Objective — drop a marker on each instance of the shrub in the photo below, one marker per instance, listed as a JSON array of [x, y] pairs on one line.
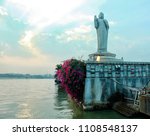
[[70, 76]]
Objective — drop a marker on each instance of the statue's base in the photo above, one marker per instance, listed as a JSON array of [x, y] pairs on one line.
[[103, 57]]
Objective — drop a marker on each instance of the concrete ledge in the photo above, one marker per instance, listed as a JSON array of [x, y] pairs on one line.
[[97, 106]]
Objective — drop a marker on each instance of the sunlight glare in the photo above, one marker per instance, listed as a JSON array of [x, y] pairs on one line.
[[46, 12]]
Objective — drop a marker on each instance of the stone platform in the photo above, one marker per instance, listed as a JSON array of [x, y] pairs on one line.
[[105, 78], [145, 104], [124, 109]]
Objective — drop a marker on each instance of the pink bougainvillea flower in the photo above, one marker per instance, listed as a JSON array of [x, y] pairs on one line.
[[70, 76]]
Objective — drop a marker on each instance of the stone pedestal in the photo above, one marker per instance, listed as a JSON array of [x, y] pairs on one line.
[[103, 57]]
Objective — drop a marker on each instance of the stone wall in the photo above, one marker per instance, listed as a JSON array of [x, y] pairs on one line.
[[104, 79]]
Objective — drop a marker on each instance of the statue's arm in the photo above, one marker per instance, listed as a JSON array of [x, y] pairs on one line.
[[96, 24], [106, 24]]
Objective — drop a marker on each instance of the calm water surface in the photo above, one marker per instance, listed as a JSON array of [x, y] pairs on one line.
[[40, 99]]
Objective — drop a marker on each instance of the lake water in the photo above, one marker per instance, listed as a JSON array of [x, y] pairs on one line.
[[40, 99]]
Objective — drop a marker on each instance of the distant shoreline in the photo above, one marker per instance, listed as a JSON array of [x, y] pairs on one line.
[[25, 76]]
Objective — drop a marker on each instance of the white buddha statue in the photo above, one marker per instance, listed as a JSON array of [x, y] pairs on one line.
[[102, 27]]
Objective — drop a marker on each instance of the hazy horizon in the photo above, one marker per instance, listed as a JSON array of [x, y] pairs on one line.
[[27, 73]]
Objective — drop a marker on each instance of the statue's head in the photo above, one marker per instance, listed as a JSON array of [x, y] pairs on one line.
[[101, 15]]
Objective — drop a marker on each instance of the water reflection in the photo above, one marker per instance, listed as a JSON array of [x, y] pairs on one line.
[[79, 113], [41, 99], [62, 107], [61, 98], [24, 111], [66, 106]]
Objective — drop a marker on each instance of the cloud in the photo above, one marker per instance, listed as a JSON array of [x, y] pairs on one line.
[[4, 47], [76, 17], [112, 23], [17, 19], [27, 42], [117, 37], [45, 34], [39, 15], [1, 53], [43, 13], [81, 29], [77, 34], [3, 11]]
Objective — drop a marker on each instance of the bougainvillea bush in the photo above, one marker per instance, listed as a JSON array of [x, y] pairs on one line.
[[70, 76]]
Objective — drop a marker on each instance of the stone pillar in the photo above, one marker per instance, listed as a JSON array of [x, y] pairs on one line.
[[97, 90], [88, 86], [88, 91], [109, 89], [138, 82]]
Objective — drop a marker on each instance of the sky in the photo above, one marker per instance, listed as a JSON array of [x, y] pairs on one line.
[[36, 35]]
